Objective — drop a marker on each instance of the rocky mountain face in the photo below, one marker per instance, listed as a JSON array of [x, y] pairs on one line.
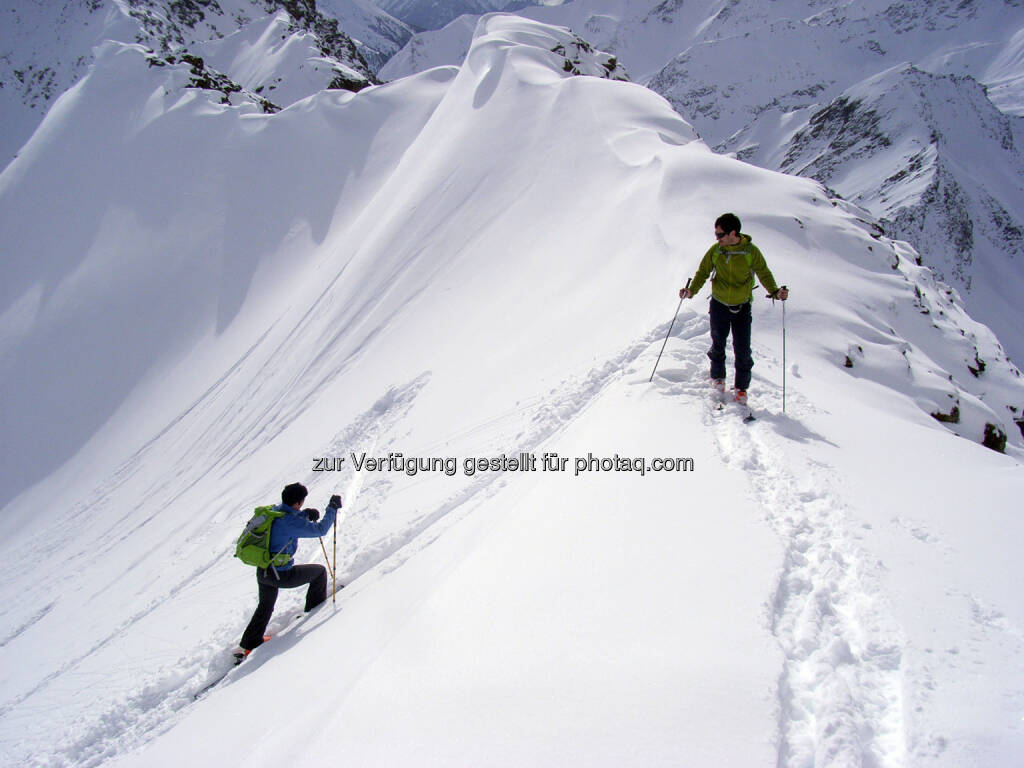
[[936, 162], [886, 104], [377, 34], [273, 52]]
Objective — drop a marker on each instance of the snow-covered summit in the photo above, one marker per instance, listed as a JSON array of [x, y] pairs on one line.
[[202, 299]]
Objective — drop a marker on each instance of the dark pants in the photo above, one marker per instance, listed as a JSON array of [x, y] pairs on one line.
[[723, 320], [269, 583]]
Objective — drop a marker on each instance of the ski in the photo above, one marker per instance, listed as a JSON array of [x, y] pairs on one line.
[[217, 680], [237, 660], [745, 412], [285, 630], [719, 400]]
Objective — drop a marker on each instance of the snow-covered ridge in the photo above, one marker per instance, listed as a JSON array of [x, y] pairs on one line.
[[293, 47], [202, 298], [450, 45], [751, 75]]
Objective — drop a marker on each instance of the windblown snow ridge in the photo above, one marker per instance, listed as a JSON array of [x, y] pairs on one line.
[[202, 299]]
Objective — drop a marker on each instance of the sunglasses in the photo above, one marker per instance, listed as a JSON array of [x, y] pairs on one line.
[[719, 235]]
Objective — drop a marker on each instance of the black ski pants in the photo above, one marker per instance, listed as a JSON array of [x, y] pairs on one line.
[[270, 581], [737, 320]]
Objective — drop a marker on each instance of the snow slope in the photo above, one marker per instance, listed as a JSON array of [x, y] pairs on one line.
[[377, 34], [44, 49], [757, 78], [292, 48], [833, 585], [912, 74]]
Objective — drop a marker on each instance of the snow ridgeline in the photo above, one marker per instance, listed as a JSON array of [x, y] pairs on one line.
[[911, 110], [277, 51], [437, 266]]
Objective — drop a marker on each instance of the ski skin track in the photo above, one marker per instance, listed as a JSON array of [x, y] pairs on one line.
[[813, 725], [179, 691], [834, 633], [840, 692]]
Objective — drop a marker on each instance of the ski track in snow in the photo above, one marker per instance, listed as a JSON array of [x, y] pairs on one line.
[[840, 690], [166, 694]]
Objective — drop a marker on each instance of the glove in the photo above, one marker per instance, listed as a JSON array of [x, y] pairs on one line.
[[335, 501], [311, 514]]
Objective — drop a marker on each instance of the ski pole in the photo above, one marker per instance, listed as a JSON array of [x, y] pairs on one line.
[[326, 559], [784, 356], [670, 325], [334, 568], [772, 297]]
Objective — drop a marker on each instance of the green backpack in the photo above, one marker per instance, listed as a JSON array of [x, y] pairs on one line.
[[253, 547]]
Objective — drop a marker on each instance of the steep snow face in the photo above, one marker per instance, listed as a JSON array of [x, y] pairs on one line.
[[290, 47], [445, 46], [377, 34], [1004, 76], [44, 49], [203, 299], [271, 59]]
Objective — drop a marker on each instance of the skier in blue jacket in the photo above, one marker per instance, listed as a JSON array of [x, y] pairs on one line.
[[297, 523]]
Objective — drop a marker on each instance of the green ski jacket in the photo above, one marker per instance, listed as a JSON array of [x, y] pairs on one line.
[[732, 270]]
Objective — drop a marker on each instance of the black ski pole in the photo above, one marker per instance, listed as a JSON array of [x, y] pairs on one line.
[[783, 356], [670, 325]]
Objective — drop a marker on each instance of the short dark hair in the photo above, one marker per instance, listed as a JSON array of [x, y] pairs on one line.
[[293, 494], [729, 222]]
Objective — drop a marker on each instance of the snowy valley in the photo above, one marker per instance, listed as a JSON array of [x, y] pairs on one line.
[[205, 299]]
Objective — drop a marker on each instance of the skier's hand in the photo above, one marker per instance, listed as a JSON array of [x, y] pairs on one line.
[[335, 501], [311, 514], [782, 294], [684, 293]]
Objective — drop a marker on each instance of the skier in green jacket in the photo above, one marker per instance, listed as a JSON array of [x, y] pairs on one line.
[[732, 263]]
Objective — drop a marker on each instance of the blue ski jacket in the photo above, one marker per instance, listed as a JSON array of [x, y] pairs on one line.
[[286, 531]]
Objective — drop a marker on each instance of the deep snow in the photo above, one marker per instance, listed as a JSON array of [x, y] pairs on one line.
[[202, 299]]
